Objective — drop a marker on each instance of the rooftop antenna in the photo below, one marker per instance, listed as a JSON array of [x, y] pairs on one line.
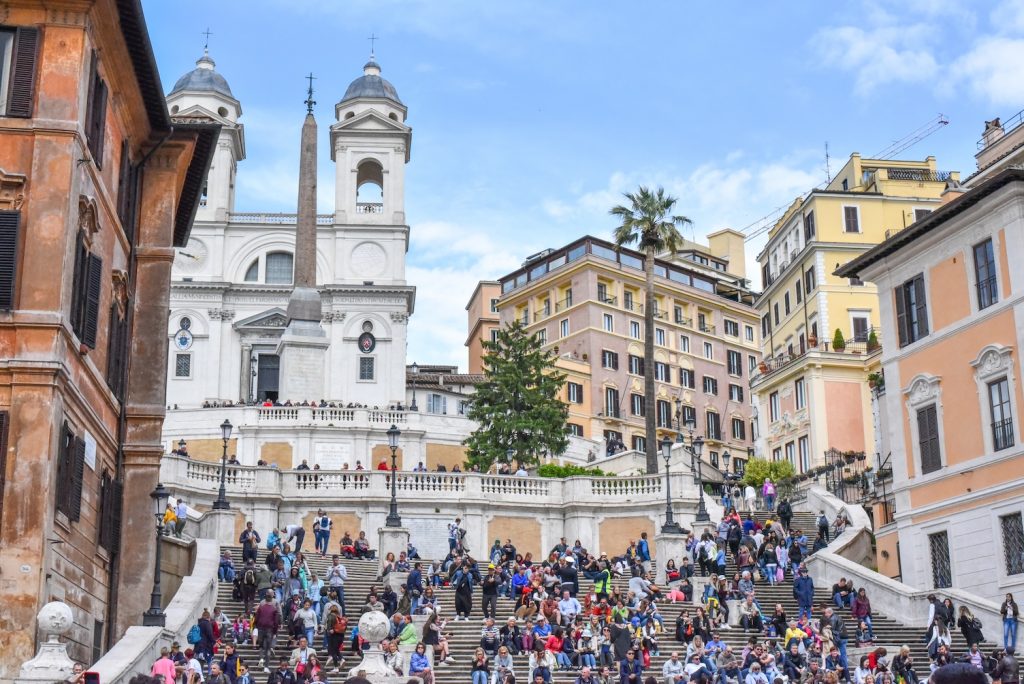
[[206, 44], [912, 138], [828, 165], [310, 102], [373, 39]]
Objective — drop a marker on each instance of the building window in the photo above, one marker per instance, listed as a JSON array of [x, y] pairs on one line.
[[183, 365], [542, 336], [279, 268], [713, 429], [736, 393], [85, 295], [709, 351], [684, 343], [463, 407], [10, 224], [678, 314], [766, 325], [775, 310], [568, 297], [928, 439], [563, 327], [662, 372], [985, 274], [739, 429], [799, 291], [732, 328], [609, 360], [437, 403], [735, 362], [659, 337], [791, 453], [546, 307], [911, 310], [574, 391], [777, 454], [602, 292], [634, 330], [809, 281], [805, 454], [785, 301], [366, 368], [751, 363], [18, 49], [664, 413], [1002, 414], [96, 113], [636, 365], [851, 219], [687, 378], [70, 475], [494, 336], [808, 226], [689, 417], [942, 569], [636, 404], [713, 457], [627, 300], [574, 429], [1013, 543], [773, 406], [639, 443], [494, 305], [799, 393], [710, 385], [861, 329], [611, 402], [609, 323]]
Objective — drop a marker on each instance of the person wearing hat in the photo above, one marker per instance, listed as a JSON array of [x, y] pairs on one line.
[[495, 554], [489, 591], [569, 575]]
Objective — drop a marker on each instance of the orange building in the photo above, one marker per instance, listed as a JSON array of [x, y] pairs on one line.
[[483, 321], [952, 302], [96, 190]]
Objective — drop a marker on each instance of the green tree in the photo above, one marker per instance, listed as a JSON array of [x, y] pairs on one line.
[[838, 342], [649, 224], [517, 406], [759, 469]]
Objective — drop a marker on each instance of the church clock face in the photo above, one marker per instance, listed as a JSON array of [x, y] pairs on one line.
[[368, 260], [192, 257]]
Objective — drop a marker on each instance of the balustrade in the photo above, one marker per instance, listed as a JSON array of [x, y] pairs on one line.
[[625, 486]]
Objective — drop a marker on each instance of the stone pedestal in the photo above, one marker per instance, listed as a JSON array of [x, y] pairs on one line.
[[668, 546], [218, 525], [734, 612], [51, 663], [392, 539], [303, 353], [397, 580], [698, 588]]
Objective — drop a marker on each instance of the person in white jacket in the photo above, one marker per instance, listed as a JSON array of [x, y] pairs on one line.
[[673, 671]]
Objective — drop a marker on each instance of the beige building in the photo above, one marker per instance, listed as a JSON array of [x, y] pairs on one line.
[[584, 301], [952, 308], [810, 395], [483, 321]]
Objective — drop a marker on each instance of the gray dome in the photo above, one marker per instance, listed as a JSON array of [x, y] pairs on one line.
[[204, 79], [370, 84]]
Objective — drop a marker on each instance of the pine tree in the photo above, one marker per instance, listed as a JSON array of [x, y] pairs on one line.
[[517, 406]]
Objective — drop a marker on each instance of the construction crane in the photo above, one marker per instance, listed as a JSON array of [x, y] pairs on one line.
[[912, 138]]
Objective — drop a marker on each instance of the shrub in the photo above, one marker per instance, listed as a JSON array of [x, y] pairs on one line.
[[872, 341], [758, 469], [838, 341], [554, 470]]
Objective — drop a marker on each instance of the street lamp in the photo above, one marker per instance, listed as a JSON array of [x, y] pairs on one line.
[[394, 520], [415, 371], [695, 448], [725, 460], [221, 504], [679, 419], [509, 454], [155, 617], [670, 526]]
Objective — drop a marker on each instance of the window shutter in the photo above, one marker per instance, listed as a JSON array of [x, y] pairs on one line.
[[23, 75], [96, 115], [901, 314], [65, 458], [922, 307], [111, 494], [94, 286], [10, 222], [5, 422]]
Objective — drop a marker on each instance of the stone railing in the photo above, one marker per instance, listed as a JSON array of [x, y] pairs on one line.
[[906, 604], [139, 648], [262, 217]]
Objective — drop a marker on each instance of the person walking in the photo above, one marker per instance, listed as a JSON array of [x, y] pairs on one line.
[[322, 531], [181, 517], [489, 592], [750, 495], [267, 621], [462, 581], [803, 592], [250, 541], [1007, 670], [1010, 613], [785, 513], [768, 492], [296, 532], [823, 526]]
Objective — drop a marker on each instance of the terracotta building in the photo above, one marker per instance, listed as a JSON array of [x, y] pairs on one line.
[[584, 301], [951, 300], [97, 187], [482, 315]]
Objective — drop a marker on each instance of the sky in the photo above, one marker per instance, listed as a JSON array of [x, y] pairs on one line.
[[531, 118]]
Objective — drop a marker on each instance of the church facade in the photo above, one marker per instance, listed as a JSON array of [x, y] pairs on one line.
[[231, 282]]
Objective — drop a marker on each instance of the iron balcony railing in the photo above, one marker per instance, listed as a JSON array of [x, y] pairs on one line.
[[917, 175]]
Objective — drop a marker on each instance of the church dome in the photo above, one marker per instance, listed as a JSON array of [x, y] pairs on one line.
[[203, 79], [370, 84]]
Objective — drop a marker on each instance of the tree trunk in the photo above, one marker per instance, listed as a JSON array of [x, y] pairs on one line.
[[650, 407]]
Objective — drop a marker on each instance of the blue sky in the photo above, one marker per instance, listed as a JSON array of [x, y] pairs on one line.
[[531, 118]]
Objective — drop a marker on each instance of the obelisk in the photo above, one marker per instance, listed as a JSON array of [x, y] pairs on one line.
[[303, 345]]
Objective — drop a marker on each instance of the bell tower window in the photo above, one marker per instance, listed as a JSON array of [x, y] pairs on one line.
[[370, 188]]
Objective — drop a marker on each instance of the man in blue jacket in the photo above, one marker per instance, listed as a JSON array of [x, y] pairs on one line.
[[644, 552], [803, 592], [414, 587]]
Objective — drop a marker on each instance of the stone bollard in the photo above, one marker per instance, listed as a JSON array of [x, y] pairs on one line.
[[734, 612], [52, 663], [698, 589]]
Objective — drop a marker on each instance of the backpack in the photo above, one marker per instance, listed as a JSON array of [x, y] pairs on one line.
[[822, 521], [194, 635], [339, 625]]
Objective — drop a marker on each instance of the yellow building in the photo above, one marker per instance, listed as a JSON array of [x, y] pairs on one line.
[[585, 301], [809, 395]]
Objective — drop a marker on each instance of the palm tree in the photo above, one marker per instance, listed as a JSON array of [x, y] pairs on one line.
[[648, 222]]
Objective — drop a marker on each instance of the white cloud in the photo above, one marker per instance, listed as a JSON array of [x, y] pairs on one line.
[[994, 70], [880, 55], [1008, 17]]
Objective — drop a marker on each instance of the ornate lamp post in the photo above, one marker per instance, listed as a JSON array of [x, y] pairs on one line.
[[679, 420], [155, 617], [415, 371], [725, 461], [394, 520], [221, 504], [696, 445], [670, 526]]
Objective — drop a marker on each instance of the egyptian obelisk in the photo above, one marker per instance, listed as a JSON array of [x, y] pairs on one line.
[[303, 345]]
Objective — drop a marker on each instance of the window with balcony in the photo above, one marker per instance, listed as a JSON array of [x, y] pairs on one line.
[[911, 310], [627, 300], [636, 404], [799, 394], [851, 219], [662, 373], [751, 363], [636, 365], [861, 328], [985, 274], [609, 323], [736, 393], [546, 308], [611, 402], [677, 312], [687, 378], [609, 360], [634, 330], [773, 406], [574, 392], [602, 293], [732, 328], [713, 428], [1001, 413], [710, 385]]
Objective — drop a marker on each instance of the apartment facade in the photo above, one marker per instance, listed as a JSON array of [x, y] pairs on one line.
[[953, 307], [96, 189], [482, 321], [585, 301], [811, 396]]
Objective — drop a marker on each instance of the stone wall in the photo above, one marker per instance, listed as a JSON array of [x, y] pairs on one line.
[[447, 455], [524, 531], [277, 453]]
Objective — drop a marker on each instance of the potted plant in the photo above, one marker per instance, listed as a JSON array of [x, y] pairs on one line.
[[812, 341], [763, 367], [873, 341], [876, 380], [838, 341]]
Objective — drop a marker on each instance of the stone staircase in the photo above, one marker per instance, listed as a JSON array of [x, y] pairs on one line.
[[465, 635]]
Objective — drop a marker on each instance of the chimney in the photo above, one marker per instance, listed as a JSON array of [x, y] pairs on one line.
[[993, 131]]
